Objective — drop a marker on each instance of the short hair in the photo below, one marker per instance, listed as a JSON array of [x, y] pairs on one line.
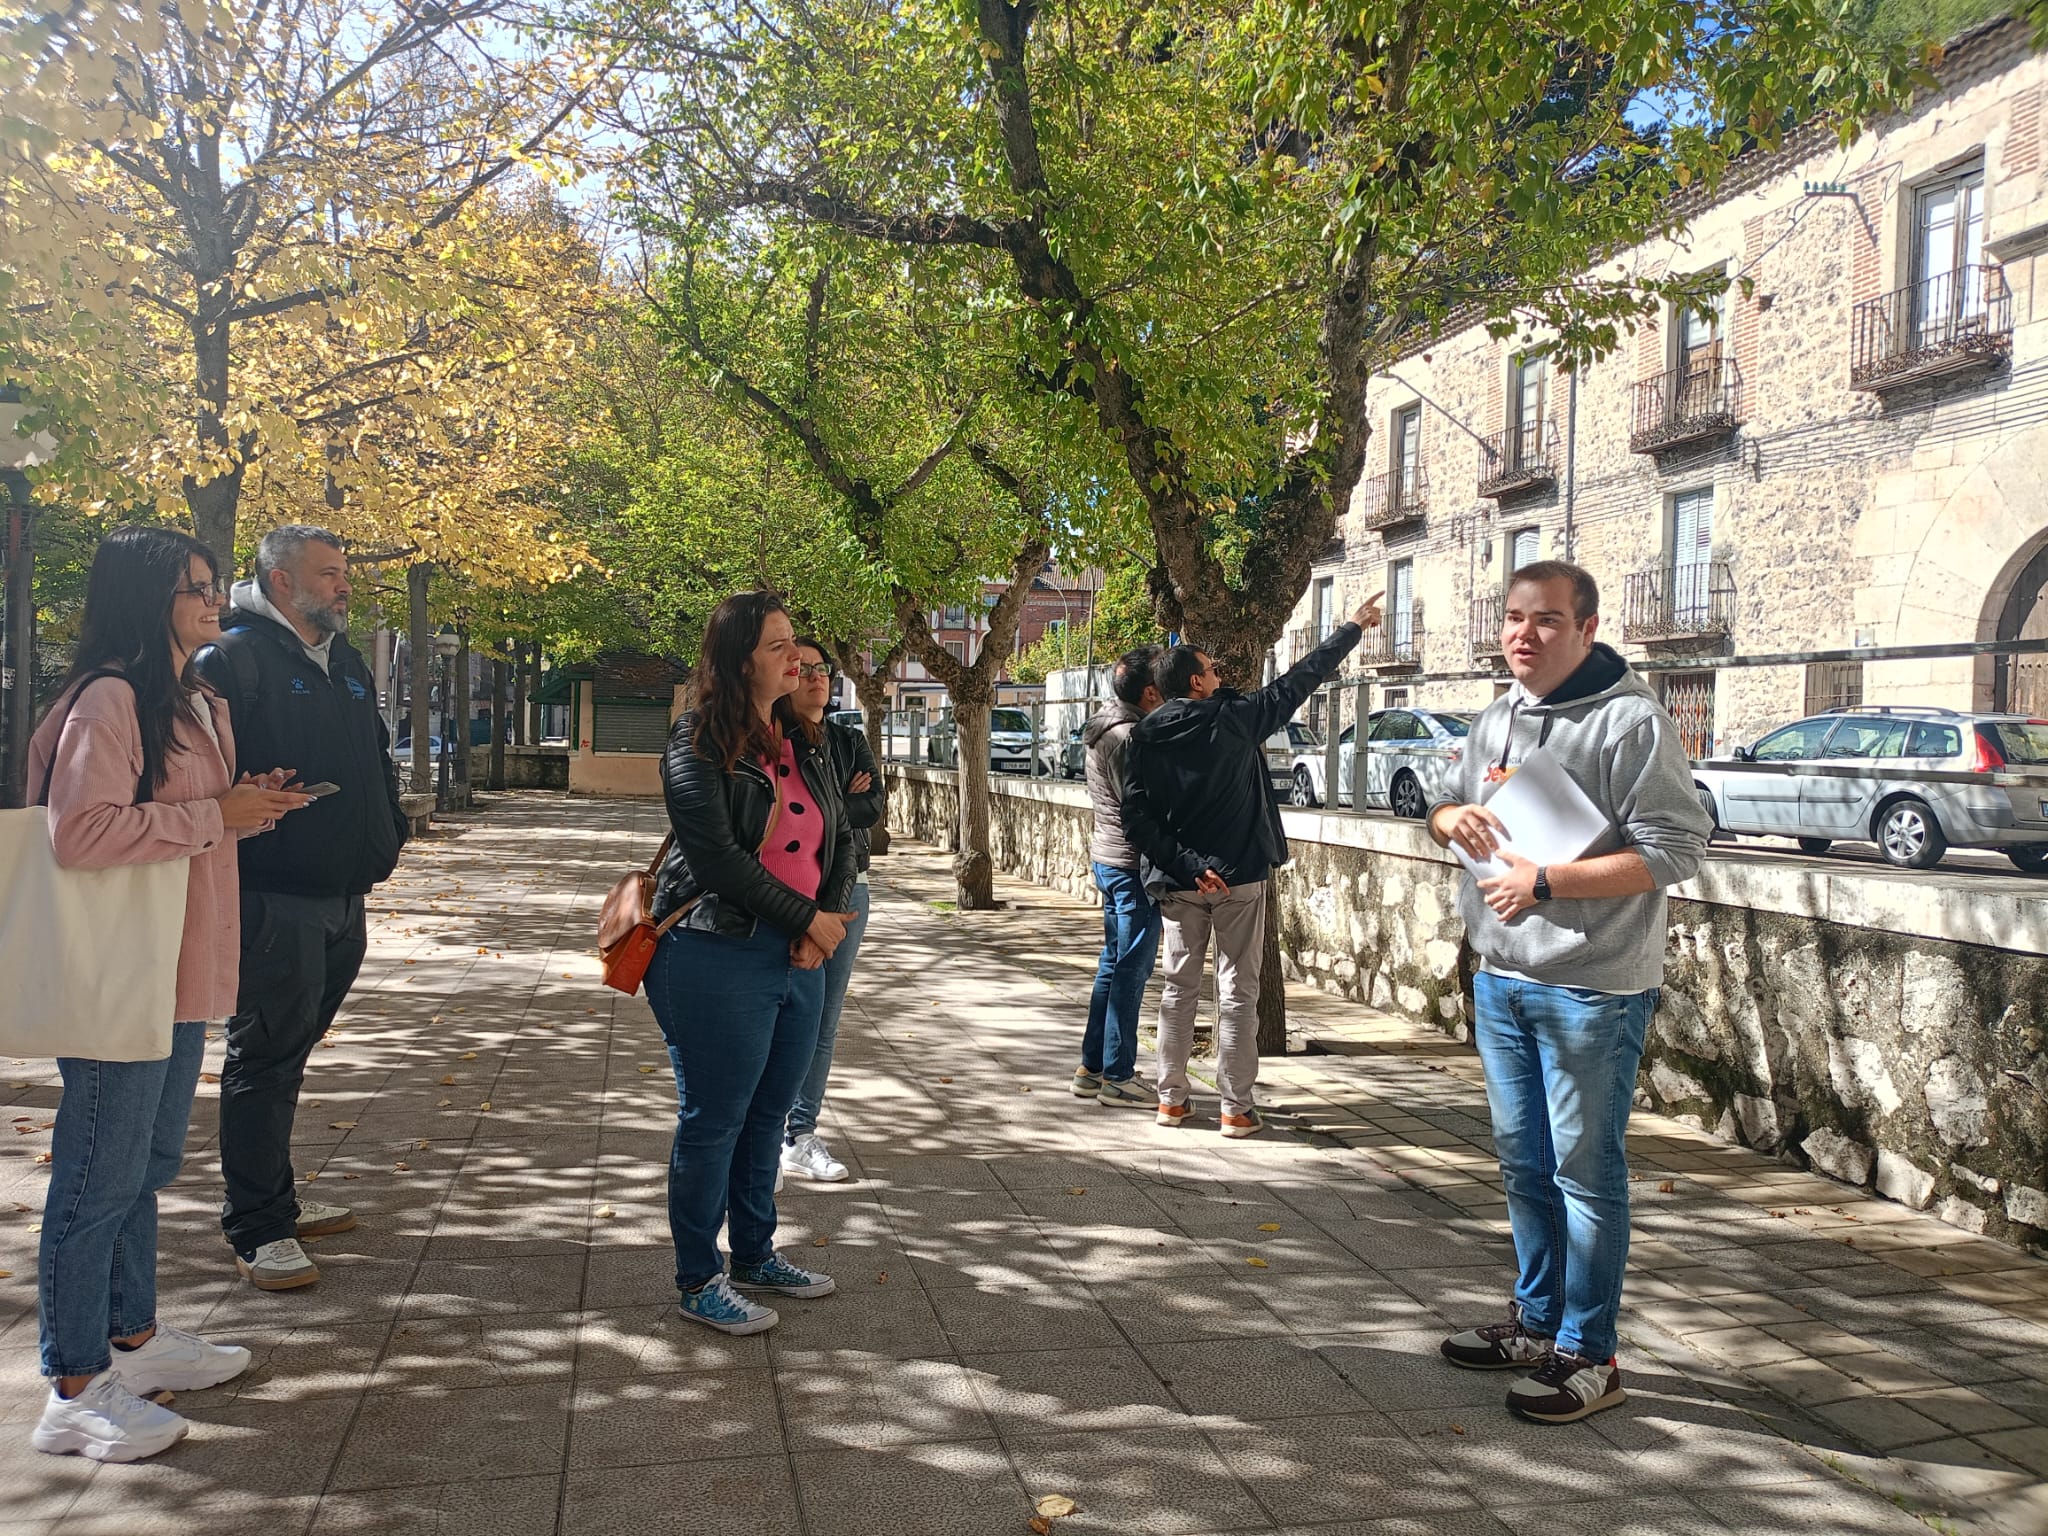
[[1133, 674], [806, 643], [279, 549], [1585, 590], [1177, 669]]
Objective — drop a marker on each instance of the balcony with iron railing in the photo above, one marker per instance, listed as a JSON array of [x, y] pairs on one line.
[[1395, 499], [1489, 613], [1304, 638], [1690, 404], [1679, 604], [1396, 646], [1945, 324], [1520, 458]]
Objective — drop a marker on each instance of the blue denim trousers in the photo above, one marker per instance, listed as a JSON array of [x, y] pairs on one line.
[[810, 1094], [1560, 1079], [120, 1138], [742, 1025], [1130, 943]]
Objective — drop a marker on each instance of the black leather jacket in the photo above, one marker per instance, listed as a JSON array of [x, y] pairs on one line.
[[718, 819]]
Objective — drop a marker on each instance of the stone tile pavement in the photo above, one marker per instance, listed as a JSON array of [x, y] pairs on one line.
[[1038, 1296]]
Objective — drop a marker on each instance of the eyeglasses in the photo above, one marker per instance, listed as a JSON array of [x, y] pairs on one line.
[[818, 669], [212, 591]]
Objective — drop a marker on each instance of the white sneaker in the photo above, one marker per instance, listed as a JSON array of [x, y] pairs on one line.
[[317, 1220], [278, 1266], [176, 1361], [807, 1158], [106, 1422]]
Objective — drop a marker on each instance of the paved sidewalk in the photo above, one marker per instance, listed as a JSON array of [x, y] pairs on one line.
[[1038, 1295]]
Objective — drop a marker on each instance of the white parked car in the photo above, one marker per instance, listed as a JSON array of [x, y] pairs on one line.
[[1408, 752], [1009, 743]]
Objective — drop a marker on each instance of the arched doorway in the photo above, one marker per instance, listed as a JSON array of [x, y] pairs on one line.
[[2019, 684]]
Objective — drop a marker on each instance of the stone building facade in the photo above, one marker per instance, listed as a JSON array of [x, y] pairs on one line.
[[1850, 453]]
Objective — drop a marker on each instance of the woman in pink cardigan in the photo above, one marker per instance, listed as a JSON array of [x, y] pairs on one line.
[[137, 766]]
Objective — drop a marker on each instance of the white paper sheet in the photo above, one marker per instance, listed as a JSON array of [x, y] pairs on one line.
[[1548, 818]]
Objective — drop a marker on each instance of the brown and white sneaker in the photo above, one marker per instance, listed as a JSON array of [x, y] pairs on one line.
[[1566, 1387], [1171, 1114], [1504, 1346]]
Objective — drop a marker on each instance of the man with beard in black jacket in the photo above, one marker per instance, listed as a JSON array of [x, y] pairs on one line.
[[300, 698], [1199, 806]]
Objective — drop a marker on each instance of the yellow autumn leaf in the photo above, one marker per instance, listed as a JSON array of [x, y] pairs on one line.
[[1269, 1226], [1257, 1263]]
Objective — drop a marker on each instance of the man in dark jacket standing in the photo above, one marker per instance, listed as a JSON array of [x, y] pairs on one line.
[[1130, 917], [300, 698], [1199, 806]]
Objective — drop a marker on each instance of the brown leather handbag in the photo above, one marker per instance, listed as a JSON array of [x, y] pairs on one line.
[[626, 929]]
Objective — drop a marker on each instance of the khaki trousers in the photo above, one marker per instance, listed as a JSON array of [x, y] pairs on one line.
[[1236, 919]]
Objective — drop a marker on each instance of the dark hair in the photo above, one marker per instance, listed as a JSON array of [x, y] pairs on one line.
[[785, 707], [1177, 669], [727, 726], [1585, 590], [1133, 674], [136, 574]]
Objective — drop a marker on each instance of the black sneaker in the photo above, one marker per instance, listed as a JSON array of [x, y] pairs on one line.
[[1504, 1346], [1566, 1387]]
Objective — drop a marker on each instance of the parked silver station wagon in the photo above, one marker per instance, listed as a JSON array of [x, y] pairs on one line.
[[1912, 821], [1408, 753]]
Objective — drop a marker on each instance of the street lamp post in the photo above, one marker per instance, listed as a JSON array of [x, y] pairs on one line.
[[445, 646], [19, 453]]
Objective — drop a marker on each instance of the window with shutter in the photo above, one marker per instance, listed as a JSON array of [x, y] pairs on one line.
[[629, 725], [1401, 603], [1692, 551], [1522, 548]]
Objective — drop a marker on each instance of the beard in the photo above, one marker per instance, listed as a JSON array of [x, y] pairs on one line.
[[331, 619]]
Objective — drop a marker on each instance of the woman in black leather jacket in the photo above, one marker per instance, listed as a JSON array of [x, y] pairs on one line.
[[761, 871]]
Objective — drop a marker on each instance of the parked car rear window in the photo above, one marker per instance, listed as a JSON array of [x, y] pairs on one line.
[[1934, 741], [2021, 742], [1454, 725]]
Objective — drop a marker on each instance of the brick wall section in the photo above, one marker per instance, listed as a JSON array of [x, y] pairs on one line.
[[2023, 135], [1866, 258]]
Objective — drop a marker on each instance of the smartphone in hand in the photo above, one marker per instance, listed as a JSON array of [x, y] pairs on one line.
[[318, 791]]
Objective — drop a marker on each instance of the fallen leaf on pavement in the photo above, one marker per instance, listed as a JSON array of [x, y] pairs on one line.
[[209, 1077], [1077, 1190], [882, 1278], [1667, 1186], [648, 1069], [401, 1167], [423, 1146], [485, 1105], [341, 1125], [605, 1210], [6, 1274], [469, 1055], [1457, 1429], [351, 1175], [818, 1242], [1023, 1090], [945, 1079], [1257, 1263], [1039, 1525], [1056, 1506], [442, 1103], [448, 1081], [42, 1157], [35, 1226], [1269, 1226]]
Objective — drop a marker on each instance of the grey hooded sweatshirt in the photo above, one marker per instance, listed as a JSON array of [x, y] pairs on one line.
[[1614, 739], [1107, 738]]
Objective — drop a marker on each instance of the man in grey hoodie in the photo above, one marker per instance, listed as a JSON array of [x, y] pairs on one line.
[[1130, 917], [1571, 959]]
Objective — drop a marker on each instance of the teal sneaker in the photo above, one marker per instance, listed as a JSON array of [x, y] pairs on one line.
[[1086, 1084], [715, 1305], [1128, 1092], [777, 1274]]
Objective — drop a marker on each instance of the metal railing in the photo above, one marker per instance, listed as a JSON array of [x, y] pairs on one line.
[[1960, 319], [1399, 496], [1395, 645], [1688, 404], [1519, 459], [1489, 613], [1304, 638], [1678, 602]]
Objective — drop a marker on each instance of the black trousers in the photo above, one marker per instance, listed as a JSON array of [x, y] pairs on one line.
[[300, 955]]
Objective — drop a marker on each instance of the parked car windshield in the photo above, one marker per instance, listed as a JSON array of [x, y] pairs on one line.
[[1453, 725], [2022, 741], [1009, 720], [1794, 742]]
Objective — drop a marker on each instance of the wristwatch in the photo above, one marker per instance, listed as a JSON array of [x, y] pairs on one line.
[[1543, 884]]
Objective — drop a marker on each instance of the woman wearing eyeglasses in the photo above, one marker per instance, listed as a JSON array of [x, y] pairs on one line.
[[864, 796], [760, 877], [136, 763]]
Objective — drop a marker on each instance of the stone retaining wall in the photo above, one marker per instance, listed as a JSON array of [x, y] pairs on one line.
[[1883, 1028]]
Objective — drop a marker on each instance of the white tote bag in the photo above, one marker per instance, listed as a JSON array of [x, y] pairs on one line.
[[88, 957]]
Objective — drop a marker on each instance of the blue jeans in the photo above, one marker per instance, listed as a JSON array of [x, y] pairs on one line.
[[120, 1138], [1560, 1079], [810, 1095], [1130, 943], [742, 1025]]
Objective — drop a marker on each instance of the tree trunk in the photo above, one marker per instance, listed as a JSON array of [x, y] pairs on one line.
[[973, 865], [421, 642], [874, 700], [519, 731], [498, 680], [463, 709], [1272, 981], [533, 730]]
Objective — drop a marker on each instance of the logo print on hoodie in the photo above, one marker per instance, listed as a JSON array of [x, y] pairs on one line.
[[299, 685], [356, 689]]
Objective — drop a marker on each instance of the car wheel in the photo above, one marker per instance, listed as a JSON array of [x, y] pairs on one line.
[[1406, 797], [1815, 845], [2033, 859], [1909, 836], [1304, 790]]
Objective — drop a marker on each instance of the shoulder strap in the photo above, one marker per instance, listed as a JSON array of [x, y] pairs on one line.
[[247, 673], [142, 786]]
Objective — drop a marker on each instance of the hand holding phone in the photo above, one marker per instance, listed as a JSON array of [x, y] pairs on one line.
[[318, 791]]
